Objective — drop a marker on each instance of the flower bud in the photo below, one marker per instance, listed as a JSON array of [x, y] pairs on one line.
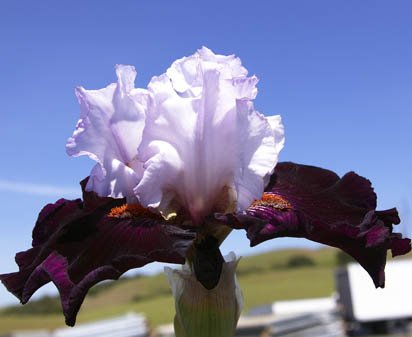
[[202, 312]]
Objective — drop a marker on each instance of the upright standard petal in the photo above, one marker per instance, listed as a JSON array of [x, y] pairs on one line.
[[77, 244], [109, 131], [205, 147], [314, 203]]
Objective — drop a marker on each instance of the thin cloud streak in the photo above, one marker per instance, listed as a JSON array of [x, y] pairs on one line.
[[38, 189]]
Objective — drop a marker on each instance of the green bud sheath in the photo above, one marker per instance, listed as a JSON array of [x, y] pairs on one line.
[[206, 313]]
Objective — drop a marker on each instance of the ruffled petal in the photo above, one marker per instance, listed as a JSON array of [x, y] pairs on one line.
[[77, 244], [109, 131], [314, 203], [186, 73], [205, 147], [258, 153]]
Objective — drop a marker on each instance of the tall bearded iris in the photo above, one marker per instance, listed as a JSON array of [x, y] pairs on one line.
[[191, 143], [178, 166]]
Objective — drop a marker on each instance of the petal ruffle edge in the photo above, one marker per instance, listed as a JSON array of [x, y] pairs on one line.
[[76, 244], [314, 203]]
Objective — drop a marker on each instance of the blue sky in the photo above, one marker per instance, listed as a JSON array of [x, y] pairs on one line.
[[339, 73]]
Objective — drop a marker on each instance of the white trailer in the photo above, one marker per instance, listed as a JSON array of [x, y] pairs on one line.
[[365, 305]]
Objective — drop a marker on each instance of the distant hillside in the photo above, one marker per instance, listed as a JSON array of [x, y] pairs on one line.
[[277, 275]]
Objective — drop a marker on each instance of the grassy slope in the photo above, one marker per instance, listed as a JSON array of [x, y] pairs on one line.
[[263, 278]]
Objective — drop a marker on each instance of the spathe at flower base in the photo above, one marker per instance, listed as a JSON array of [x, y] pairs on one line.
[[205, 312]]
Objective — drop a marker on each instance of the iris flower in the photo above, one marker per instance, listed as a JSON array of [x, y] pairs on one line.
[[178, 166]]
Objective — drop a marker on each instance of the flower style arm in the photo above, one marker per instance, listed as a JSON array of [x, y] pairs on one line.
[[314, 203]]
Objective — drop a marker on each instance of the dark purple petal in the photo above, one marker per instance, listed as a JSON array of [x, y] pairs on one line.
[[78, 244], [314, 203]]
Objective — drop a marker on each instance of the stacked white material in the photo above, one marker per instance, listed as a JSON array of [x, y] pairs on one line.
[[310, 305], [130, 325], [326, 324]]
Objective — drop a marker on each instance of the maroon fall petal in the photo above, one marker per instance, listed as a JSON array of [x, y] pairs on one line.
[[77, 244], [314, 203]]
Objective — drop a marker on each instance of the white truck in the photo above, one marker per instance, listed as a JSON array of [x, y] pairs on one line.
[[368, 309]]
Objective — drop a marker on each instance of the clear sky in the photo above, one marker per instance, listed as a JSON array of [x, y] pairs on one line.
[[339, 73]]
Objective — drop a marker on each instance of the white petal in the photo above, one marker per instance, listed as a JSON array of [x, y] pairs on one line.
[[205, 149], [186, 74], [232, 66], [258, 154], [278, 130], [204, 142], [123, 179], [109, 132]]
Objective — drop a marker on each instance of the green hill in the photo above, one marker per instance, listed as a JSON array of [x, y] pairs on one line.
[[277, 275]]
